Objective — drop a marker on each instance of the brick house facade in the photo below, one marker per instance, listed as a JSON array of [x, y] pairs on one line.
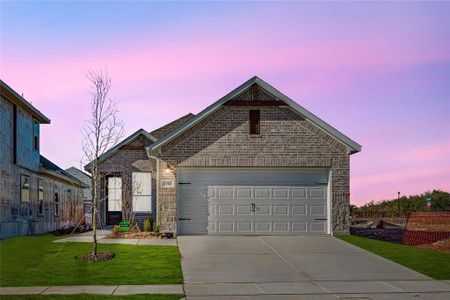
[[288, 138]]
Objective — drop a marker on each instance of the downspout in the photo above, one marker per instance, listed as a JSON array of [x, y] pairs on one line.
[[157, 181]]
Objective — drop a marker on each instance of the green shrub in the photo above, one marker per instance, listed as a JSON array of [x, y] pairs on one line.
[[156, 231], [148, 224]]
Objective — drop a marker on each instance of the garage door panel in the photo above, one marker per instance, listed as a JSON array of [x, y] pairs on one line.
[[317, 193], [243, 209], [262, 226], [298, 210], [226, 209], [300, 193], [280, 210], [281, 226], [262, 193], [244, 193], [262, 209], [282, 193], [319, 227], [225, 192], [299, 227], [244, 227], [226, 226], [317, 210], [279, 202]]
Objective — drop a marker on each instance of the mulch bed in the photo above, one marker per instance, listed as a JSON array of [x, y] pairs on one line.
[[140, 235], [101, 256]]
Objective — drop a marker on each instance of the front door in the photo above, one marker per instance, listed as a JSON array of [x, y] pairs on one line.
[[114, 202]]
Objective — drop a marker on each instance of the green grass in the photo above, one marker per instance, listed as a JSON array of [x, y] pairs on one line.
[[91, 297], [430, 263], [35, 261]]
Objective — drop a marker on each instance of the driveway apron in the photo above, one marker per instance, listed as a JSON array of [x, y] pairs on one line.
[[217, 267]]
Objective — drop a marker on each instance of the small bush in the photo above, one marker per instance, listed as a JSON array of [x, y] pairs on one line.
[[148, 224], [156, 230]]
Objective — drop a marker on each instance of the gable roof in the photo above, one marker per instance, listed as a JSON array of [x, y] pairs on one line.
[[77, 173], [354, 146], [151, 136], [10, 94], [171, 126], [114, 149]]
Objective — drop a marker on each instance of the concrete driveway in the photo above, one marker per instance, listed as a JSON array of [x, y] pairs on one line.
[[263, 267]]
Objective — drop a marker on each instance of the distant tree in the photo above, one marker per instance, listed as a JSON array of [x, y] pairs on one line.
[[440, 202], [102, 130]]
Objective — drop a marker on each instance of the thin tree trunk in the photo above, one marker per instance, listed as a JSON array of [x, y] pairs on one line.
[[94, 214], [94, 229]]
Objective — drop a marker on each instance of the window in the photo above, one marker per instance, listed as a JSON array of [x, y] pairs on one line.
[[14, 154], [40, 197], [114, 194], [25, 188], [142, 192], [36, 135], [254, 118], [56, 200]]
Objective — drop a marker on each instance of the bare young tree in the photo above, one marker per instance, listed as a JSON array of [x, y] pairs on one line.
[[102, 130]]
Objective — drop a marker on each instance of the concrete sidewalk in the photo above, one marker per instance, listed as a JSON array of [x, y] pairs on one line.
[[94, 289], [317, 288], [423, 289], [86, 237]]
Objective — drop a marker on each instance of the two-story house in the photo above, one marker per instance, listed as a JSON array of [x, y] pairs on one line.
[[36, 195]]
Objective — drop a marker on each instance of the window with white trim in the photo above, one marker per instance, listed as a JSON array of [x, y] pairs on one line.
[[114, 194], [142, 191]]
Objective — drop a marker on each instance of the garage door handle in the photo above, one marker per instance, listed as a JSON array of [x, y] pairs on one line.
[[184, 183], [320, 219], [184, 219]]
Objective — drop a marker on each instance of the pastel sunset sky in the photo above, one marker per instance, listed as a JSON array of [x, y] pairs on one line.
[[377, 71]]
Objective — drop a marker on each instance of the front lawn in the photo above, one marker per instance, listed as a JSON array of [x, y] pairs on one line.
[[92, 297], [430, 263], [35, 261]]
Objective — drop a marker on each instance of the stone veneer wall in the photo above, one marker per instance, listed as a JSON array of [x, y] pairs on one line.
[[286, 140]]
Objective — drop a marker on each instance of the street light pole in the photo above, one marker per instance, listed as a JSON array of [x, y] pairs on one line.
[[398, 204]]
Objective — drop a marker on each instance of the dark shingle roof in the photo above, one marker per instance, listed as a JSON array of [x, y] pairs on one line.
[[50, 166], [157, 133]]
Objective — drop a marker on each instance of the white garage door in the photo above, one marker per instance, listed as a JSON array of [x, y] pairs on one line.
[[252, 201]]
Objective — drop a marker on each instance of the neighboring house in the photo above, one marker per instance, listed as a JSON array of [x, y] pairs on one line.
[[36, 196], [86, 193], [253, 162]]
